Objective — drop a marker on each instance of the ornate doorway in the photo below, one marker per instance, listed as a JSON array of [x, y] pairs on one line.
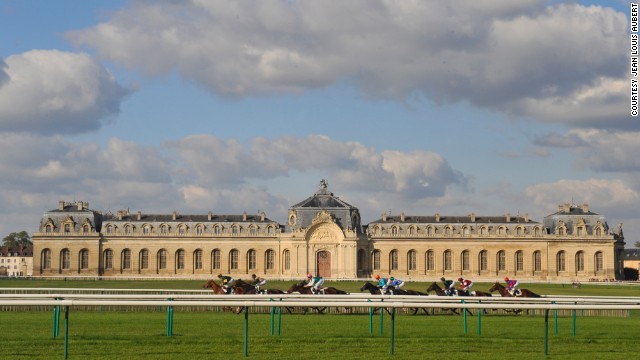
[[323, 261]]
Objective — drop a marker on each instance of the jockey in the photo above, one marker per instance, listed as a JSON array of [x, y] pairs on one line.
[[465, 285], [449, 286], [226, 283], [512, 286], [382, 284], [314, 283], [395, 284], [257, 282]]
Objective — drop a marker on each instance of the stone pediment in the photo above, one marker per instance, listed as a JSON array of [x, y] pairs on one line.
[[323, 217], [325, 233]]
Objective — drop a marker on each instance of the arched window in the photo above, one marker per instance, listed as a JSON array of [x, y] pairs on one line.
[[537, 261], [536, 231], [197, 259], [162, 259], [599, 262], [67, 228], [484, 231], [199, 230], [271, 230], [144, 259], [48, 228], [448, 264], [84, 259], [253, 231], [376, 260], [560, 261], [65, 259], [269, 259], [429, 231], [164, 229], [598, 231], [430, 260], [180, 259], [411, 260], [86, 229], [125, 259], [233, 259], [217, 230], [108, 259], [109, 229], [128, 229], [46, 259], [146, 229], [235, 230], [519, 261], [393, 259], [580, 261], [394, 231], [501, 261], [251, 259], [286, 260], [466, 231], [483, 260], [216, 259], [465, 261], [447, 230], [182, 230]]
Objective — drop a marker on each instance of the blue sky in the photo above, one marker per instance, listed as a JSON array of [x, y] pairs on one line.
[[490, 107]]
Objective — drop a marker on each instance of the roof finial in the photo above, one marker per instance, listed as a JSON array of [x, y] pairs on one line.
[[324, 184]]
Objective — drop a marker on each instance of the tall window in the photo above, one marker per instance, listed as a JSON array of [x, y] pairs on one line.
[[447, 261], [233, 259], [84, 259], [484, 263], [199, 230], [519, 261], [66, 259], [197, 259], [429, 231], [126, 259], [599, 263], [579, 261], [144, 259], [162, 259], [217, 230], [215, 259], [560, 261], [430, 259], [146, 229], [411, 260], [465, 260], [253, 231], [86, 229], [393, 259], [269, 259], [164, 229], [501, 261], [67, 228], [361, 257], [537, 261], [251, 259], [46, 259], [286, 261], [394, 231], [180, 259], [376, 259], [235, 230], [108, 259]]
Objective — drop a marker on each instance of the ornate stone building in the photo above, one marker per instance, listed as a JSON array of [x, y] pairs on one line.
[[324, 235]]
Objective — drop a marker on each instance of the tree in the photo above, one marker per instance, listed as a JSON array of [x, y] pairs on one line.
[[637, 244], [14, 239]]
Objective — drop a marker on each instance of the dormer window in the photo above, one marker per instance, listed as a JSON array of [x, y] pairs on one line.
[[67, 228]]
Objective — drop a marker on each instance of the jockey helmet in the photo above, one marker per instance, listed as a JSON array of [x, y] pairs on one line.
[[253, 276], [392, 278], [377, 277], [219, 275], [506, 279], [442, 279], [309, 275], [460, 279]]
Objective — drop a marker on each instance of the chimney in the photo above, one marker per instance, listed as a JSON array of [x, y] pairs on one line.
[[119, 214], [585, 207], [560, 208], [139, 215], [244, 216], [437, 217], [209, 216], [473, 217], [80, 205], [61, 205], [384, 216], [508, 217], [402, 216], [262, 216], [175, 215], [526, 217]]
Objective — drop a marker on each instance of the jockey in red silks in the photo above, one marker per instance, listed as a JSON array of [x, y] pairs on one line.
[[512, 286], [465, 285]]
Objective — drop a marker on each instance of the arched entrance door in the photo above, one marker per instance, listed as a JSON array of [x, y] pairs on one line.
[[323, 261]]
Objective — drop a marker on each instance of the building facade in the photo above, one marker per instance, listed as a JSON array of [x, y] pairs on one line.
[[323, 235], [16, 261]]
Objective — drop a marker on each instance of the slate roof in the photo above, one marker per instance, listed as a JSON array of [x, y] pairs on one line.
[[454, 220]]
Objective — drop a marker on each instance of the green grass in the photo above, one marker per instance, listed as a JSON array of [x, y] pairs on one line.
[[119, 335]]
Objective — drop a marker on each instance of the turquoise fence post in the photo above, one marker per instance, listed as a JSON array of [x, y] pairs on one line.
[[170, 319], [464, 317], [480, 319], [556, 318], [381, 318], [574, 319], [279, 318], [273, 314], [56, 319], [66, 332], [370, 318], [393, 326]]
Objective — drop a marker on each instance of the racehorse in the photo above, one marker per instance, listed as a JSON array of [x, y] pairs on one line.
[[440, 292], [241, 287], [505, 293], [435, 287], [374, 290], [217, 289], [306, 290]]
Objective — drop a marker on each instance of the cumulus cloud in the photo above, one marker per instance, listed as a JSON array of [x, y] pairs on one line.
[[517, 57], [55, 92]]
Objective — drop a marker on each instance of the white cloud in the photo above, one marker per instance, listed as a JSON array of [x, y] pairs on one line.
[[513, 57], [55, 92]]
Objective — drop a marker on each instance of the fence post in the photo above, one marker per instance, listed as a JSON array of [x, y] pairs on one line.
[[246, 331], [574, 319], [370, 318], [546, 332], [66, 332], [464, 317], [393, 318], [381, 317], [479, 320], [170, 319]]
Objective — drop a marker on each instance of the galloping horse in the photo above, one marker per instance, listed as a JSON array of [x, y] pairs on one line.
[[374, 290], [302, 289], [217, 289], [435, 287], [505, 293], [440, 292], [241, 287]]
